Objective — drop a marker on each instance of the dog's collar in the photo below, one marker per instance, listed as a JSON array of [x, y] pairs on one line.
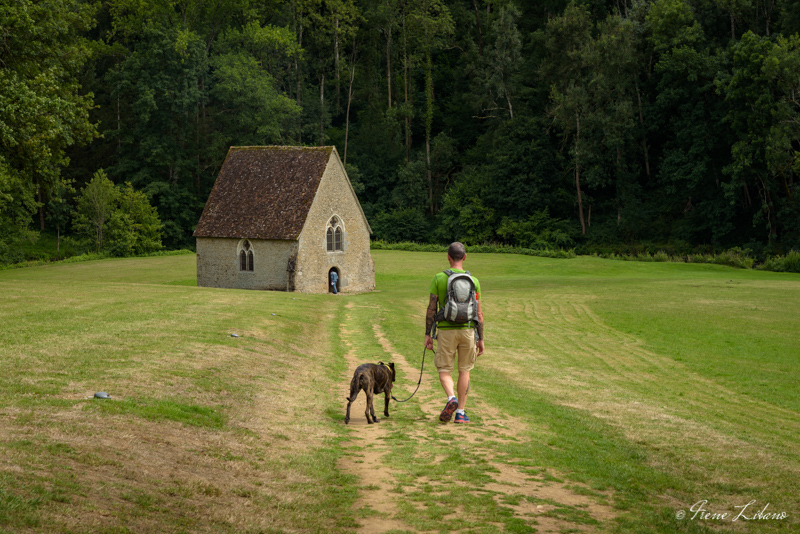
[[387, 368]]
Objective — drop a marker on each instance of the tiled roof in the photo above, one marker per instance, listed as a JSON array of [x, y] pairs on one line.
[[263, 192]]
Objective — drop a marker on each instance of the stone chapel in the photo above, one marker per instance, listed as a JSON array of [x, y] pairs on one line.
[[283, 218]]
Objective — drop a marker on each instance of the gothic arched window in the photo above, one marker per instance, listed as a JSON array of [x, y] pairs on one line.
[[245, 256], [334, 235]]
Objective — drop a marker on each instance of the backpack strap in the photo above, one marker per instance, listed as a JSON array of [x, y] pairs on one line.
[[448, 272]]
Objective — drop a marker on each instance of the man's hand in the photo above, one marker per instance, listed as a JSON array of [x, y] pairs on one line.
[[480, 347], [428, 342]]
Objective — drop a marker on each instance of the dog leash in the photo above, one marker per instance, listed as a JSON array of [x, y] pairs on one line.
[[420, 376]]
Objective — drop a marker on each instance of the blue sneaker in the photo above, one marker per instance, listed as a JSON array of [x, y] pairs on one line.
[[449, 408], [461, 418]]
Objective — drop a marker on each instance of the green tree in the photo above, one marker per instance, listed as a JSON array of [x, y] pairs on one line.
[[764, 114], [593, 75], [16, 205], [251, 110], [97, 202], [165, 142], [134, 226], [118, 219], [751, 116], [688, 113], [42, 110], [566, 40], [520, 175], [59, 211], [431, 23], [612, 59], [538, 231], [186, 80], [783, 146], [505, 57]]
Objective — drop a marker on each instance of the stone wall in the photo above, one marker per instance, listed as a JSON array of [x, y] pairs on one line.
[[218, 263], [335, 196]]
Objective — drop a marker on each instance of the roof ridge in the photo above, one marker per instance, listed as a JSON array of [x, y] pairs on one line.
[[290, 147]]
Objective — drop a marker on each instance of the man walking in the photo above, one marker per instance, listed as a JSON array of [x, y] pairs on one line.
[[334, 279], [457, 340]]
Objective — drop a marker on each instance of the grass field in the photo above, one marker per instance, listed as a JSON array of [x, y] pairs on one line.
[[612, 396]]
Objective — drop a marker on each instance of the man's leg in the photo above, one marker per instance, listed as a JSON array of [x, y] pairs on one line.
[[444, 360], [463, 386], [446, 379], [466, 361]]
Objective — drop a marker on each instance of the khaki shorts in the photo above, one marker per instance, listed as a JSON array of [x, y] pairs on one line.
[[452, 342]]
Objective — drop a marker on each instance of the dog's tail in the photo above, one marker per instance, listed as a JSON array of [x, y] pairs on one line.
[[355, 386]]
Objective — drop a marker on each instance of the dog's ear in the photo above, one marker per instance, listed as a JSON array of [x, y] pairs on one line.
[[391, 366]]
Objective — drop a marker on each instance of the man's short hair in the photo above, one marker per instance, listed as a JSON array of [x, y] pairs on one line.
[[456, 251]]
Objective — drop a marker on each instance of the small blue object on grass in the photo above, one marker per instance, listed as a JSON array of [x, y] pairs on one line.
[[234, 335], [102, 395], [274, 314]]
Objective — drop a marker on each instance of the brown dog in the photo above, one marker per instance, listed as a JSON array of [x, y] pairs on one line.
[[372, 379]]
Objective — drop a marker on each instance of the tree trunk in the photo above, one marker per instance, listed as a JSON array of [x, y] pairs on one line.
[[321, 109], [119, 123], [298, 77], [773, 222], [578, 173], [733, 27], [768, 5], [197, 145], [349, 99], [336, 64], [478, 24], [429, 123], [428, 171], [786, 187], [644, 135], [405, 87], [389, 64], [41, 204]]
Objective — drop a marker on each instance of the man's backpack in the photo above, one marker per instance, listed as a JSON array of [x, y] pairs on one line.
[[461, 305]]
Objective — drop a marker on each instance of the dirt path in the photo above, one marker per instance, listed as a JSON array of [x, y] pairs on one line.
[[374, 475], [538, 499]]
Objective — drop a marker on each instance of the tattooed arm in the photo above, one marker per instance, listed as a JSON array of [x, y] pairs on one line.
[[430, 319], [430, 316], [479, 329]]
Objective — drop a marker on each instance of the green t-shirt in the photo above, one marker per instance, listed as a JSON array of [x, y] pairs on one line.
[[439, 287]]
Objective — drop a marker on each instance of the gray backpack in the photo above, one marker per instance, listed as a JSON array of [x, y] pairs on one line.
[[460, 304]]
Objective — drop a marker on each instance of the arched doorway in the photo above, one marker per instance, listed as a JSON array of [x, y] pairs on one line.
[[337, 279]]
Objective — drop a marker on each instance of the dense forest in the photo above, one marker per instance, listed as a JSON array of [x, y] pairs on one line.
[[541, 124]]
